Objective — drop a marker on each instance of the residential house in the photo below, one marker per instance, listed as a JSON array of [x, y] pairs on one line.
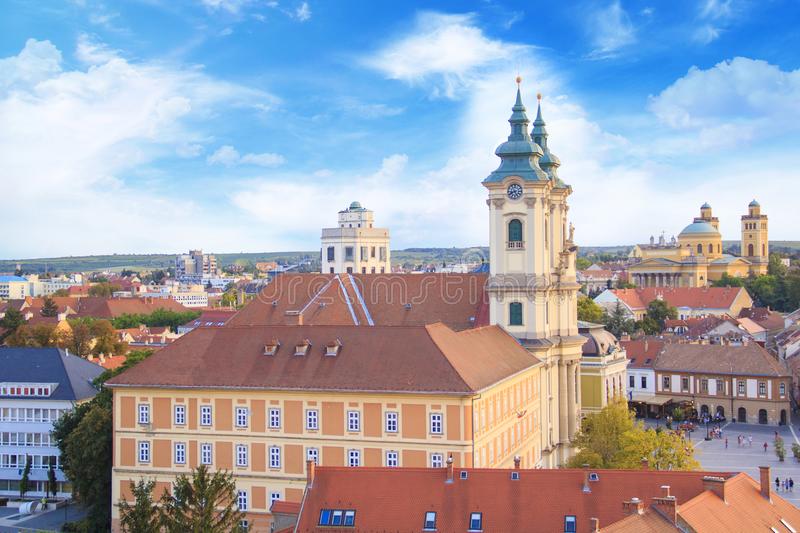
[[596, 279], [641, 376], [691, 302]]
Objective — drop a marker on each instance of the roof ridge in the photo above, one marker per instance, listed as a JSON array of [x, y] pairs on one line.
[[439, 326]]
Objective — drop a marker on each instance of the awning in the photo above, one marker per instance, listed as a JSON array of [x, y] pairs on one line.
[[651, 399]]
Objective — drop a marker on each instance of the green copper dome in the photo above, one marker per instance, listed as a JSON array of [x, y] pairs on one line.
[[355, 205], [697, 228], [754, 204]]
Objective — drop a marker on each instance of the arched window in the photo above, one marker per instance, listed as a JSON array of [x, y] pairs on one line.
[[763, 249], [515, 233], [719, 248], [699, 248], [711, 248], [750, 250], [515, 314]]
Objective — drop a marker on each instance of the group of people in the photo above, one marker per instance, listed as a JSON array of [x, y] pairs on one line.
[[786, 484], [745, 440]]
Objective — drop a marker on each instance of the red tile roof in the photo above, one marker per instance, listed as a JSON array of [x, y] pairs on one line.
[[457, 300], [282, 506], [747, 360], [396, 499], [692, 297], [764, 317], [642, 353], [429, 358], [97, 307]]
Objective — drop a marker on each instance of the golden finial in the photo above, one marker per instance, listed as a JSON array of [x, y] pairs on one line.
[[539, 96], [519, 80]]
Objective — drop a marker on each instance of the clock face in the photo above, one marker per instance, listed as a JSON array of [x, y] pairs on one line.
[[515, 191]]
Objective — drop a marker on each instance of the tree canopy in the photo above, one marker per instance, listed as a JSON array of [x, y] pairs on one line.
[[158, 318], [589, 311], [205, 502]]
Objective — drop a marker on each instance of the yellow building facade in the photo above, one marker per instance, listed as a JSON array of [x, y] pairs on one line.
[[604, 366], [695, 258]]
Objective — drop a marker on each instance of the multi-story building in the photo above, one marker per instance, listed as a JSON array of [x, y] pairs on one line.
[[38, 385], [690, 302], [641, 376], [603, 368], [379, 370], [355, 246], [13, 288], [195, 264], [745, 383], [696, 258]]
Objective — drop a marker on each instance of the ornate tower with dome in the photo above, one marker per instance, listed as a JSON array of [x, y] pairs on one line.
[[755, 238], [532, 286]]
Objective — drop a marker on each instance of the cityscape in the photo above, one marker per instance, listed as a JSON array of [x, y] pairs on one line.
[[237, 324]]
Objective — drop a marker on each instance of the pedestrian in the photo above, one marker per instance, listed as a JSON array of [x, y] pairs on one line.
[[777, 484], [750, 440], [791, 485], [765, 447], [726, 443]]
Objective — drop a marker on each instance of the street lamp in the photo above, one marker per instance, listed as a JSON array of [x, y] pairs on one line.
[[706, 419]]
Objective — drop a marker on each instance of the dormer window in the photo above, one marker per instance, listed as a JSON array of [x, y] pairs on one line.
[[271, 348], [332, 348], [301, 348], [430, 521], [476, 522]]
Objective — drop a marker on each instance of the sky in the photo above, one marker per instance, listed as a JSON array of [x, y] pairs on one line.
[[155, 126]]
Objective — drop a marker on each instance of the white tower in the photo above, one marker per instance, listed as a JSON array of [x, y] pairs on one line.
[[532, 288], [355, 246]]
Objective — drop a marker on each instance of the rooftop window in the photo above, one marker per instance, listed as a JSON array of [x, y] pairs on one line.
[[332, 348], [337, 517], [26, 389], [271, 348], [430, 521], [570, 524], [476, 522], [302, 347]]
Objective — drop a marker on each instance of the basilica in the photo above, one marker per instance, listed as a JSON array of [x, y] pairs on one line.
[[696, 258]]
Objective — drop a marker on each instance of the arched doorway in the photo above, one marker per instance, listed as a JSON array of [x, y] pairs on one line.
[[720, 413], [703, 411], [762, 416], [783, 417], [741, 415]]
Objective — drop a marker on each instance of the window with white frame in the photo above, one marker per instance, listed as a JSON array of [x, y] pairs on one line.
[[180, 415], [312, 419], [762, 388], [430, 521], [144, 413], [740, 386], [391, 458], [205, 454], [241, 500], [274, 418], [437, 460], [353, 421], [205, 415], [244, 525], [391, 421], [144, 452], [274, 496], [436, 423], [782, 389], [475, 522], [241, 417], [274, 456], [312, 454], [353, 458], [241, 455], [180, 453]]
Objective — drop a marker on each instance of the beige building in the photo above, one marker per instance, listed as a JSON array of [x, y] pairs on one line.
[[604, 366], [13, 288], [195, 264], [355, 246], [696, 259]]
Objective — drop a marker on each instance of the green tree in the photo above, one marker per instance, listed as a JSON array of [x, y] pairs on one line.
[[765, 290], [144, 515], [103, 289], [776, 267], [618, 321], [648, 326], [52, 482], [663, 450], [780, 448], [80, 339], [49, 307], [625, 285], [589, 311], [659, 311], [25, 480], [728, 281], [204, 502], [61, 292], [11, 321], [581, 263]]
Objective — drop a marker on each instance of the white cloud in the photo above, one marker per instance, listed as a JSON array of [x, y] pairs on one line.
[[706, 33], [93, 52], [716, 9], [228, 156], [231, 6], [714, 17], [446, 50], [71, 139], [303, 12], [610, 29], [360, 109]]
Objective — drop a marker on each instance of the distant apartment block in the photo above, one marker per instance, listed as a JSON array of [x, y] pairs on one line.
[[13, 288], [355, 246], [195, 263]]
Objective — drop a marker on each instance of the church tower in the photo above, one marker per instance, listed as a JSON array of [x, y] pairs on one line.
[[755, 239], [532, 287]]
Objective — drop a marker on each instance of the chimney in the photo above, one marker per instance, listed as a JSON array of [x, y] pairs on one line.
[[517, 461], [633, 506], [765, 481], [293, 318], [645, 345], [586, 488], [666, 505], [311, 472], [716, 485], [449, 469], [594, 525]]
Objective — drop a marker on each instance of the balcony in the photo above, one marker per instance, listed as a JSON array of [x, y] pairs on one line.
[[515, 245]]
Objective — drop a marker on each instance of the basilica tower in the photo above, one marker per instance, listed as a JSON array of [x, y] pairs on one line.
[[755, 238], [532, 286]]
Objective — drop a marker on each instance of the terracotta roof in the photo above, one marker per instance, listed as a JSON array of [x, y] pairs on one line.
[[597, 274], [396, 499], [649, 521], [216, 317], [692, 297], [429, 358], [98, 307], [282, 506], [642, 353], [764, 317], [457, 300], [748, 360]]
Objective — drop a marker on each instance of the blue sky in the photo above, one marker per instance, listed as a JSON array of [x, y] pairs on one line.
[[245, 125]]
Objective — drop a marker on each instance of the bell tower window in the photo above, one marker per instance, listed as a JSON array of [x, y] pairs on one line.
[[750, 250], [515, 314], [515, 233], [700, 249]]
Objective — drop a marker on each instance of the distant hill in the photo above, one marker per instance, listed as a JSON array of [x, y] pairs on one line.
[[408, 257]]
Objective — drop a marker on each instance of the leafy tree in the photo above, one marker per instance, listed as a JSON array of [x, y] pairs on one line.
[[589, 311], [625, 285], [61, 292], [49, 307], [11, 321], [144, 515], [663, 450], [81, 337], [618, 321], [105, 339], [52, 483], [581, 263], [103, 289], [776, 267], [648, 326], [204, 502], [44, 335], [25, 480], [659, 311], [780, 448], [158, 318], [728, 281]]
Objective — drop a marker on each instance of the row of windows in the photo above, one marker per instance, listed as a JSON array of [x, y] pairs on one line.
[[632, 381], [10, 438], [349, 253], [741, 386], [274, 455], [13, 460], [24, 390], [27, 414], [274, 418]]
